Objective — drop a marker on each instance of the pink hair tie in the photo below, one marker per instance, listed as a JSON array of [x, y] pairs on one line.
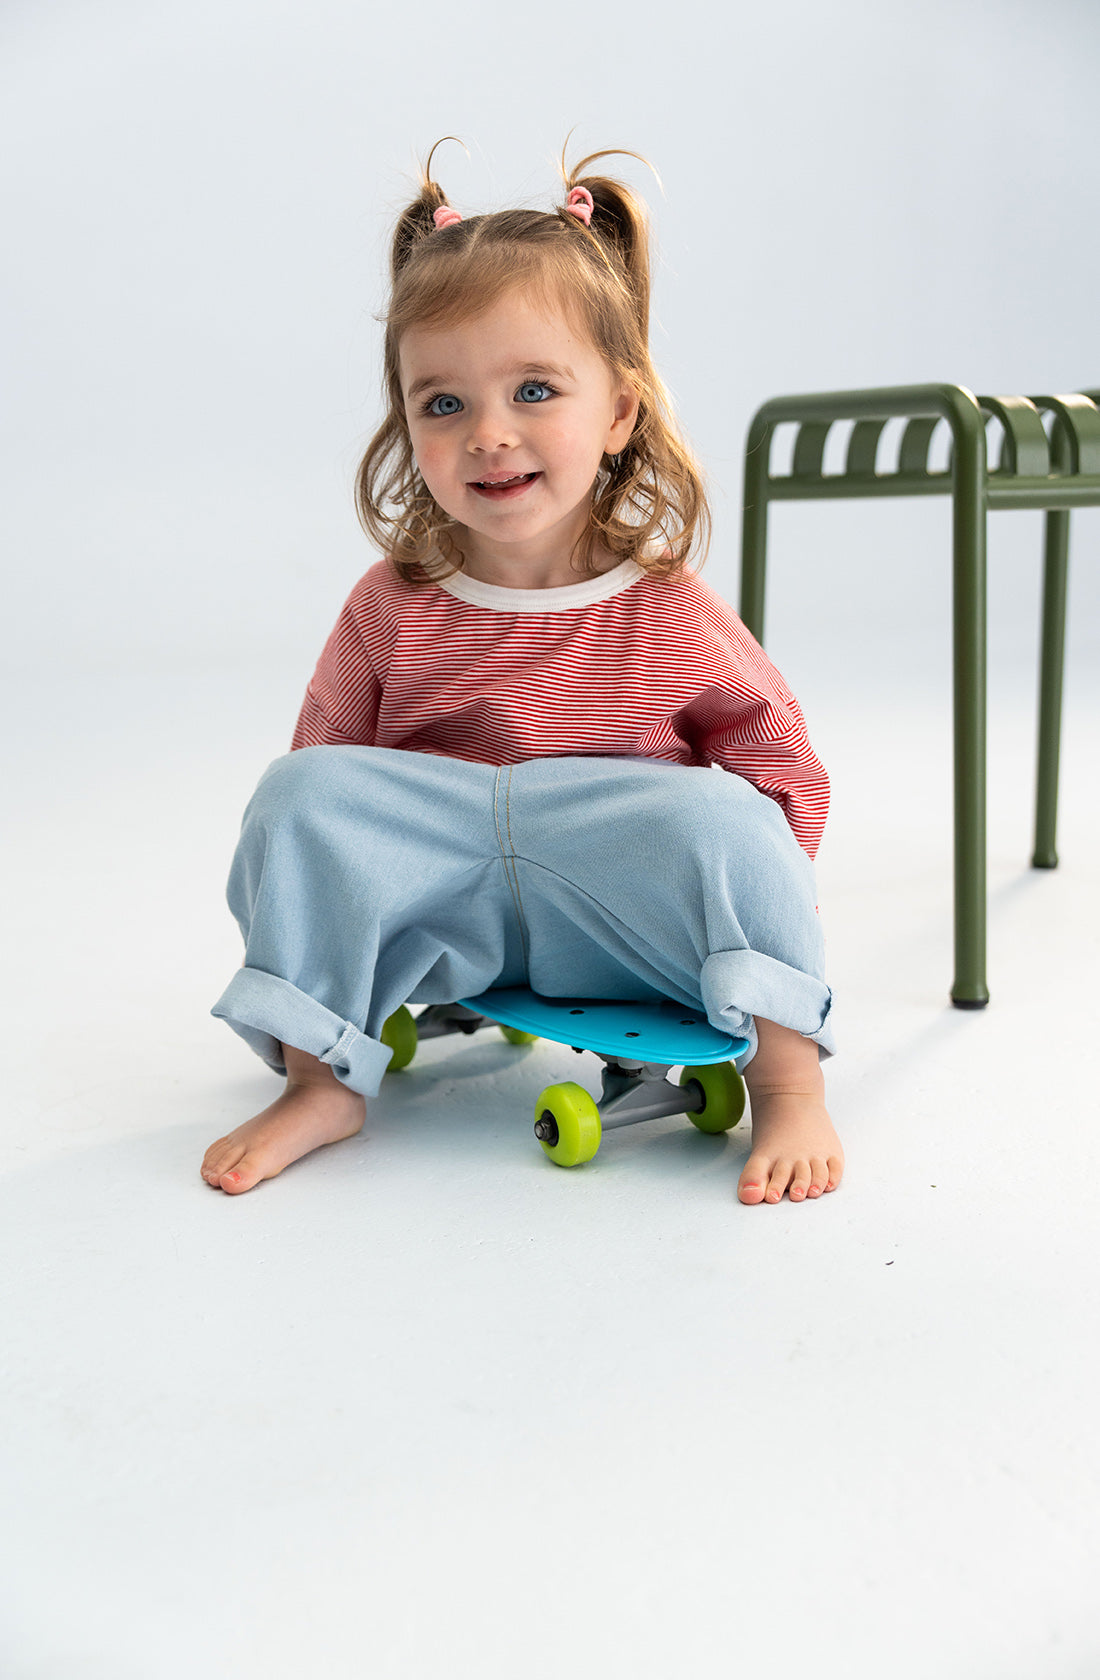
[[579, 204], [445, 217]]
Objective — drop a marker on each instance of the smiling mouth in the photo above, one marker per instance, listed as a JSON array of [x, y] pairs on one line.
[[501, 485]]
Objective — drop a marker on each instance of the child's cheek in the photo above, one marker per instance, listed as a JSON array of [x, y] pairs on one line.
[[566, 449], [430, 460], [579, 457]]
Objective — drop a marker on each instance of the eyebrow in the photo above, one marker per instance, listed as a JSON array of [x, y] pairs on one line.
[[523, 370]]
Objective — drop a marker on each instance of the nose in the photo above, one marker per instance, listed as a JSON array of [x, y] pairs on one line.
[[492, 426]]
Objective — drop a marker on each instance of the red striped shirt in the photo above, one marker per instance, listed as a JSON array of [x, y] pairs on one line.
[[616, 666]]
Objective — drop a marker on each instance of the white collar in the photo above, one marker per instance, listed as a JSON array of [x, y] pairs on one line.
[[499, 599]]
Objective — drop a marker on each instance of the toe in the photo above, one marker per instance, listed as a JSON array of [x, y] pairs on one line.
[[779, 1180], [213, 1154], [753, 1180], [242, 1177], [220, 1159], [800, 1181], [819, 1176]]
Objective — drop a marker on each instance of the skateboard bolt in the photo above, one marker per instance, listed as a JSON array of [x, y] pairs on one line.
[[546, 1128]]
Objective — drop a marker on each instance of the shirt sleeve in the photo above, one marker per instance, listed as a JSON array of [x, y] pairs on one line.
[[748, 721], [342, 700]]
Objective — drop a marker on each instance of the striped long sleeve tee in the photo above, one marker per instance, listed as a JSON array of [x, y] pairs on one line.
[[621, 665]]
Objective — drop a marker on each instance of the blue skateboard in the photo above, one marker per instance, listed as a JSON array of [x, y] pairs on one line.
[[637, 1042]]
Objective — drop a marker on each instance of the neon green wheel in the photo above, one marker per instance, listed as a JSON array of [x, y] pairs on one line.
[[567, 1124], [514, 1035], [399, 1033], [723, 1096]]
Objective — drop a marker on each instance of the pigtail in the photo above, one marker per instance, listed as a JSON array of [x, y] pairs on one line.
[[670, 504], [618, 225], [416, 221]]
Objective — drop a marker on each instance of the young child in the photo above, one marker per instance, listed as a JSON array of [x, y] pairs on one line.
[[536, 749]]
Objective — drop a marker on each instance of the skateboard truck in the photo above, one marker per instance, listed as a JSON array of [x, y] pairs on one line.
[[632, 1091], [441, 1019], [569, 1122]]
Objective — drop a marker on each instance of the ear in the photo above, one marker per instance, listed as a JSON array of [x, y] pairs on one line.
[[624, 419]]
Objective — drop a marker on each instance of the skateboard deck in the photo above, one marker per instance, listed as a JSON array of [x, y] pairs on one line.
[[656, 1030]]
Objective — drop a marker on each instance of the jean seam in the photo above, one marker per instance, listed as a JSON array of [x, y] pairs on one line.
[[508, 857], [343, 1044]]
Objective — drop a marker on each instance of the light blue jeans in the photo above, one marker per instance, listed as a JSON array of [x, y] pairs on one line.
[[366, 878]]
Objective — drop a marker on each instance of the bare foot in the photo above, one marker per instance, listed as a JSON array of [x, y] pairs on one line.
[[314, 1109], [795, 1149]]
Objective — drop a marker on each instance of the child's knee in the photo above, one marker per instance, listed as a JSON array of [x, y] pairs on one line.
[[714, 813], [298, 784]]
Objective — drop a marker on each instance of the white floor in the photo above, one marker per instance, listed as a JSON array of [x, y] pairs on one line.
[[428, 1406]]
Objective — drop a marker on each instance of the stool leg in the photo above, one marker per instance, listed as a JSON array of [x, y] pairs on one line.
[[969, 990], [1055, 575], [754, 528]]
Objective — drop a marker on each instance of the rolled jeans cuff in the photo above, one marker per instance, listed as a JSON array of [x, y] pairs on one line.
[[269, 1012], [736, 986]]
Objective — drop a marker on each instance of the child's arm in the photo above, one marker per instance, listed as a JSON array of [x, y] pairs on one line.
[[766, 742], [342, 700], [747, 720]]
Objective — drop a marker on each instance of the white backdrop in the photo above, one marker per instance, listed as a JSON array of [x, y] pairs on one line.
[[424, 1406], [197, 204]]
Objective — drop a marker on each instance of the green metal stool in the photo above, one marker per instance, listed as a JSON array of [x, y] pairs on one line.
[[1057, 473]]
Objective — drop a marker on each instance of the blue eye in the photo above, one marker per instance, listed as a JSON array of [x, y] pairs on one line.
[[534, 391], [444, 404]]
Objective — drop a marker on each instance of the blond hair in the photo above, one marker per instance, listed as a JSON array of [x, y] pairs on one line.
[[648, 504]]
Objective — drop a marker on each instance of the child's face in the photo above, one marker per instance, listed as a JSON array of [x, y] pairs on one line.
[[510, 415]]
